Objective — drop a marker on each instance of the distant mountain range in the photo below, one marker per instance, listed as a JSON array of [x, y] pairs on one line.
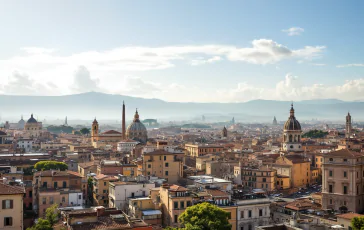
[[86, 106]]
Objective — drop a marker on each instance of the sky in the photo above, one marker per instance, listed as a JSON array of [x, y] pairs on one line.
[[187, 51]]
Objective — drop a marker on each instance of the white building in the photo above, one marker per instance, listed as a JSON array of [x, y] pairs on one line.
[[75, 199], [120, 192], [127, 146], [26, 144], [253, 212]]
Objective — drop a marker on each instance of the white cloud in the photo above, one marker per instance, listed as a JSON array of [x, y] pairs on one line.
[[21, 84], [201, 60], [318, 64], [293, 31], [350, 65], [291, 88], [82, 81]]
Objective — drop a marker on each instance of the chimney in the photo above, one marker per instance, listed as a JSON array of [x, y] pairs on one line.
[[100, 211]]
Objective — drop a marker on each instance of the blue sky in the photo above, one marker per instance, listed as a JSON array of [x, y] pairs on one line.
[[222, 51]]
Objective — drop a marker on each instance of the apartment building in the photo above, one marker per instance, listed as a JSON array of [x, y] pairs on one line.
[[121, 191], [196, 150], [65, 188], [163, 164], [11, 200], [342, 181], [101, 189], [263, 177]]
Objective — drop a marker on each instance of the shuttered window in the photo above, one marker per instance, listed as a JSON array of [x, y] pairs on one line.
[[7, 204], [8, 221]]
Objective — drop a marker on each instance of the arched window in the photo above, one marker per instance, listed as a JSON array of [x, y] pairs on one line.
[[290, 138]]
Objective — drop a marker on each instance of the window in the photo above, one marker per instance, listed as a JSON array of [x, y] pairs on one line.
[[175, 218], [345, 174], [330, 173], [7, 204], [182, 204], [330, 188], [44, 200], [166, 164], [44, 184], [165, 158], [64, 184], [149, 166], [330, 201], [188, 203], [345, 160], [175, 205], [242, 215], [104, 183], [30, 193], [260, 212], [264, 180], [63, 199], [250, 213], [51, 201], [55, 184], [8, 221], [166, 172], [345, 190], [79, 197], [331, 159]]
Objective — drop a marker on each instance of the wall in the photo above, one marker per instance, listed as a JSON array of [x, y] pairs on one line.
[[16, 212]]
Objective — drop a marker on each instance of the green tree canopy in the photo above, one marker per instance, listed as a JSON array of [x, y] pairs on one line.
[[47, 223], [48, 165], [85, 131], [357, 223], [315, 134], [42, 224], [205, 216]]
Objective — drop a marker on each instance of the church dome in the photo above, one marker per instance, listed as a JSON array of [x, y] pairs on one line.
[[292, 124], [32, 120], [136, 130]]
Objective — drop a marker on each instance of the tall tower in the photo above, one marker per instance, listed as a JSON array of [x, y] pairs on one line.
[[95, 130], [224, 132], [348, 126], [292, 134], [123, 130], [65, 121], [275, 121]]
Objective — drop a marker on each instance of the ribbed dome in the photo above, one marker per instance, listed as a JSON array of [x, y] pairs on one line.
[[292, 124], [136, 130], [32, 120]]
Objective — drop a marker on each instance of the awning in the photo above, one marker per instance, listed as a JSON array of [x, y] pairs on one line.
[[151, 212]]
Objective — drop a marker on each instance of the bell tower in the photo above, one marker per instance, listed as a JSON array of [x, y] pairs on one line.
[[95, 130], [348, 126]]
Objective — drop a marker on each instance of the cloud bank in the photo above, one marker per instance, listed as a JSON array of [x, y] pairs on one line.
[[294, 31]]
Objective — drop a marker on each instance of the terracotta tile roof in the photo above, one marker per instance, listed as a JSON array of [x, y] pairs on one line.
[[215, 192], [87, 164], [105, 177], [10, 190], [55, 173], [177, 188], [349, 216], [344, 153], [111, 132], [302, 204]]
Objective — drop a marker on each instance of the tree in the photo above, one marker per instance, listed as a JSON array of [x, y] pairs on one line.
[[52, 214], [48, 165], [28, 171], [85, 131], [357, 223], [42, 224], [205, 216]]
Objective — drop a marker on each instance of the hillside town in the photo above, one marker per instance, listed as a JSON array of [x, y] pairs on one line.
[[283, 175]]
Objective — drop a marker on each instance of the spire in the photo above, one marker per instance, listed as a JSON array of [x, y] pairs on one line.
[[123, 130], [136, 116], [65, 121], [95, 121], [22, 116], [291, 112]]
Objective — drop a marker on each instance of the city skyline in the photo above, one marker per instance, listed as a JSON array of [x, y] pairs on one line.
[[184, 51]]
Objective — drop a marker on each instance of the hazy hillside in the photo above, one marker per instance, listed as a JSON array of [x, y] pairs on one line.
[[104, 106]]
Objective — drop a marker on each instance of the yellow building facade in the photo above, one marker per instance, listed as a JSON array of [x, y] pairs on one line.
[[11, 201]]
